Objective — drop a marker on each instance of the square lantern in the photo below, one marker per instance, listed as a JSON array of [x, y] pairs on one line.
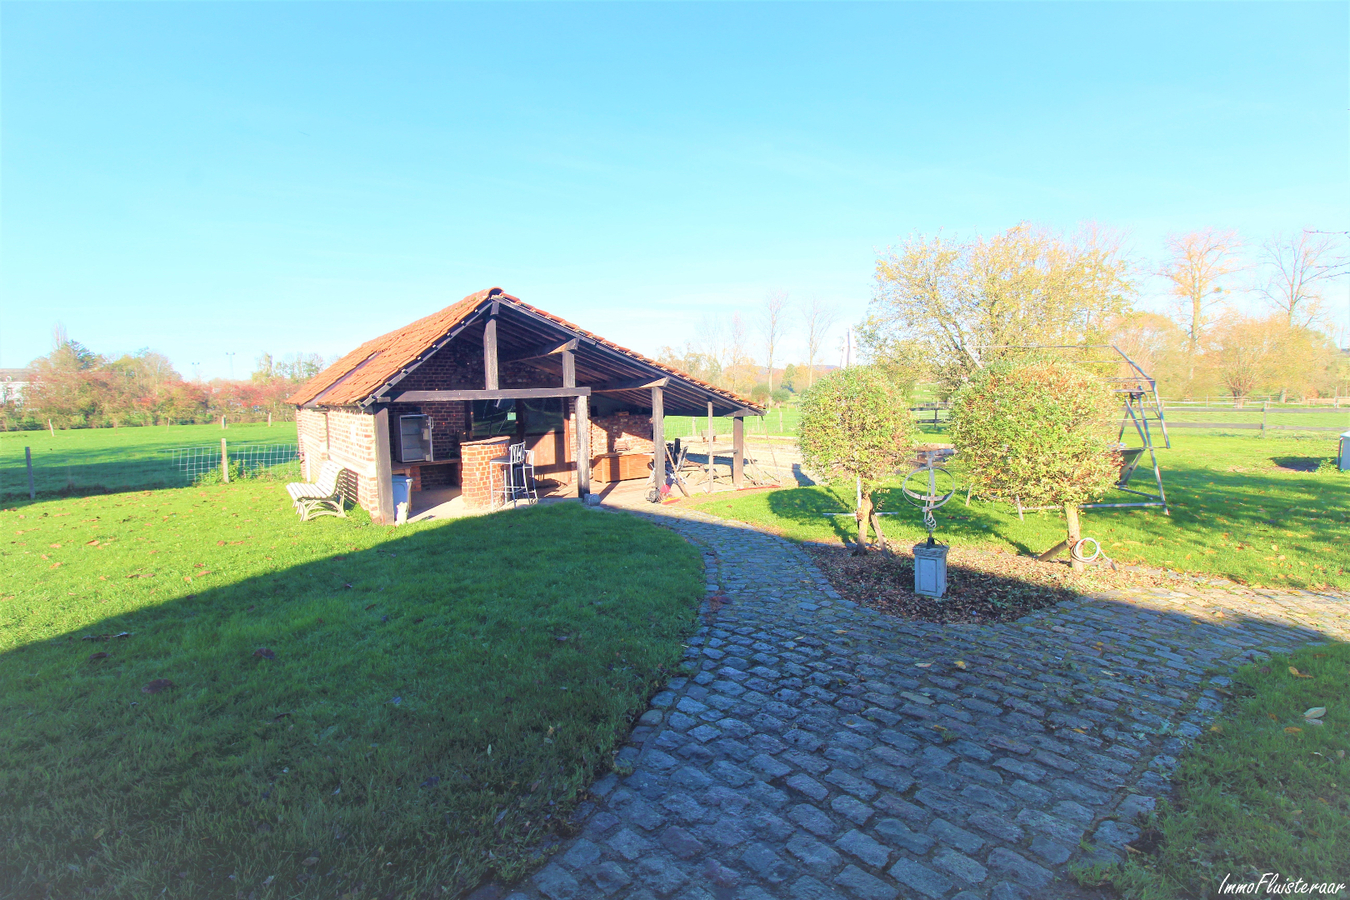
[[930, 569]]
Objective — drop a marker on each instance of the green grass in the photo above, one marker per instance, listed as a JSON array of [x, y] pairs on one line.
[[98, 460], [1235, 514], [781, 420], [1262, 791], [440, 693]]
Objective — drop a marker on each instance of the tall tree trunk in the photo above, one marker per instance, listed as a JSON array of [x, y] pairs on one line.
[[1075, 534]]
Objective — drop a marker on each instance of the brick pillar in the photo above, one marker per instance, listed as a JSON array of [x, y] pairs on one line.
[[478, 475]]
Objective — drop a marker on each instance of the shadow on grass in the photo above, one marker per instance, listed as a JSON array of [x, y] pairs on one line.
[[398, 713], [448, 693]]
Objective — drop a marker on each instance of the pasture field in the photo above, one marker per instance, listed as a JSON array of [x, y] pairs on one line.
[[1239, 511], [203, 697], [82, 461]]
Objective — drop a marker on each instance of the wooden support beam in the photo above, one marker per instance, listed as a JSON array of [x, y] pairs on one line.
[[384, 478], [711, 435], [542, 350], [569, 361], [490, 352], [501, 394], [610, 387], [658, 438], [738, 451], [583, 426]]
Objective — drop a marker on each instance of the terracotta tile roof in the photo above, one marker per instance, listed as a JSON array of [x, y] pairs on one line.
[[362, 372]]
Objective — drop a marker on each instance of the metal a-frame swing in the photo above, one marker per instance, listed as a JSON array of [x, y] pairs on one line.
[[1142, 407]]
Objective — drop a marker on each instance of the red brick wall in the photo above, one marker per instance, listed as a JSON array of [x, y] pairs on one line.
[[312, 426], [347, 436], [478, 473], [614, 433]]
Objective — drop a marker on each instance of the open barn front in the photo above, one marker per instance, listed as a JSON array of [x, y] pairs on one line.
[[456, 400]]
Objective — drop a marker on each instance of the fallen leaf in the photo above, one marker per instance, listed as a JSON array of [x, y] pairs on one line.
[[1292, 730], [154, 687], [1297, 674], [1217, 729], [98, 655], [310, 862], [1316, 712], [960, 663], [265, 653], [922, 665], [268, 880]]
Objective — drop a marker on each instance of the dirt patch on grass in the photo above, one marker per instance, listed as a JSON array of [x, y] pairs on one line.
[[982, 585]]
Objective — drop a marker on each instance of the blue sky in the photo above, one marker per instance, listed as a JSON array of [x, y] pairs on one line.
[[206, 179]]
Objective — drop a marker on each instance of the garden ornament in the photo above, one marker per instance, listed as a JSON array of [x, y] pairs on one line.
[[929, 487]]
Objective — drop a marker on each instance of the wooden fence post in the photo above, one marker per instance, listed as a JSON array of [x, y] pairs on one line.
[[224, 462], [28, 458], [1265, 408]]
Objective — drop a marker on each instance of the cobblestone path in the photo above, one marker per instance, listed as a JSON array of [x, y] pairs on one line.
[[818, 749]]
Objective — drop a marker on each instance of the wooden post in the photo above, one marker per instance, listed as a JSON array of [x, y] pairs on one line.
[[51, 427], [569, 361], [28, 458], [583, 426], [710, 446], [737, 451], [490, 354], [222, 423], [658, 438], [384, 477], [1265, 408], [269, 420], [224, 462]]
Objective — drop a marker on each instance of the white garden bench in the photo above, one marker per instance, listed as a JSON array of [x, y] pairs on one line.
[[322, 498]]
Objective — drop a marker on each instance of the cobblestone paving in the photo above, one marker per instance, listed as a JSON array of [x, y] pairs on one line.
[[817, 749]]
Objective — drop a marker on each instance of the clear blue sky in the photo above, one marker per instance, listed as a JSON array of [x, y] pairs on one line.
[[209, 178]]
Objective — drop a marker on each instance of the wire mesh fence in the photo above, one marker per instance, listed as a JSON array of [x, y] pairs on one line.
[[199, 464]]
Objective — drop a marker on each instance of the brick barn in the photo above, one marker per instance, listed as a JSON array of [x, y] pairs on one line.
[[439, 398]]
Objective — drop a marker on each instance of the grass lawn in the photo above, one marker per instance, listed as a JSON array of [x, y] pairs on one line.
[[1263, 791], [429, 702], [1235, 513], [95, 460]]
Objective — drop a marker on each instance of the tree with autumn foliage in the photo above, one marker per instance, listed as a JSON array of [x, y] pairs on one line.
[[1038, 432]]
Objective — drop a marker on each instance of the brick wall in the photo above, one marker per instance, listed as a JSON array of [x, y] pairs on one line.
[[312, 427], [614, 433], [347, 436], [450, 425], [478, 473]]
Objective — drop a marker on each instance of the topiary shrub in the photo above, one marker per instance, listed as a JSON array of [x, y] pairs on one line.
[[1039, 431], [856, 422]]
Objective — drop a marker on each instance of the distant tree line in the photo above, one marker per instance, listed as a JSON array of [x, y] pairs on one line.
[[74, 387], [723, 352], [1240, 325]]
